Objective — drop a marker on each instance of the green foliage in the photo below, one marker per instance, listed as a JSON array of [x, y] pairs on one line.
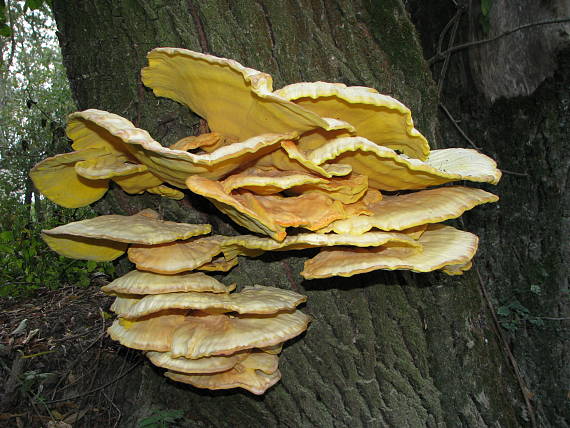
[[513, 314], [34, 98], [486, 6], [34, 101], [161, 419], [28, 264]]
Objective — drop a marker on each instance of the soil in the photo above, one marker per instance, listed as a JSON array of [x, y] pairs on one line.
[[58, 366]]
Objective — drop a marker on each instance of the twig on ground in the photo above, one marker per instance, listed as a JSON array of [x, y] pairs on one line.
[[99, 388]]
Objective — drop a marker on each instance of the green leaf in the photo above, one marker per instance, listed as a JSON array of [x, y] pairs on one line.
[[6, 236], [486, 7], [5, 30], [34, 4], [91, 266], [503, 311]]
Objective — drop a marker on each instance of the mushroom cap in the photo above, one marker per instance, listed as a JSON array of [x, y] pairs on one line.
[[138, 282], [175, 257], [57, 179], [268, 180], [105, 238], [103, 130], [442, 246], [386, 170], [124, 302], [413, 209], [106, 166], [138, 182], [203, 334], [200, 365], [348, 189], [251, 300], [148, 334], [270, 214], [79, 247], [235, 100], [205, 142], [326, 169], [99, 129], [233, 246], [174, 166], [133, 229], [248, 374], [219, 264], [376, 117], [167, 192]]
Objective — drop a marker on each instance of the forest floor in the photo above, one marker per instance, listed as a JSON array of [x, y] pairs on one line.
[[58, 367]]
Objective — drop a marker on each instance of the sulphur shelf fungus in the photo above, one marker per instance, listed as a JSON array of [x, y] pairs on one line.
[[311, 165], [198, 329]]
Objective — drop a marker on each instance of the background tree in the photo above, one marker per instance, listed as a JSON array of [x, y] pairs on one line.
[[386, 349], [34, 101]]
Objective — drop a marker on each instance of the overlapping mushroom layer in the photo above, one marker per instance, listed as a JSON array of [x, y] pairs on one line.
[[310, 165], [317, 156], [189, 323], [207, 338]]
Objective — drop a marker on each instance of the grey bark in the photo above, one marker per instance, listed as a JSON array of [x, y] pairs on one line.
[[527, 246], [384, 349]]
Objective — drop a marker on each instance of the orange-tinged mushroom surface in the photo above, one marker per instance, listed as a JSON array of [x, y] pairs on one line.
[[246, 375], [219, 264], [147, 334], [204, 334], [441, 246], [270, 214], [269, 180], [175, 257]]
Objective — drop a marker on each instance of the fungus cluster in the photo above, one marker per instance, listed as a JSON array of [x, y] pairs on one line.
[[309, 165], [187, 322]]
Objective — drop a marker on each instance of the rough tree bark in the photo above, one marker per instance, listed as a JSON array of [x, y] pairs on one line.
[[527, 130], [385, 349]]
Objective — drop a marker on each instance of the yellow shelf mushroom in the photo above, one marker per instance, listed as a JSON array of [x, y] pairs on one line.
[[344, 163]]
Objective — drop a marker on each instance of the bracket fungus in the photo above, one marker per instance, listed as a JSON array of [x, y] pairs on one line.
[[344, 166]]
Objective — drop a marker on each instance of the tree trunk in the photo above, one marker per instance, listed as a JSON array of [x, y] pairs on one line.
[[524, 258], [384, 349]]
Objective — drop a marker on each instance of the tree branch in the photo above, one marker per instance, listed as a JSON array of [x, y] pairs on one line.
[[442, 55]]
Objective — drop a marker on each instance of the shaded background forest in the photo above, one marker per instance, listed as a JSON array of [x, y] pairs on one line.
[[508, 97]]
